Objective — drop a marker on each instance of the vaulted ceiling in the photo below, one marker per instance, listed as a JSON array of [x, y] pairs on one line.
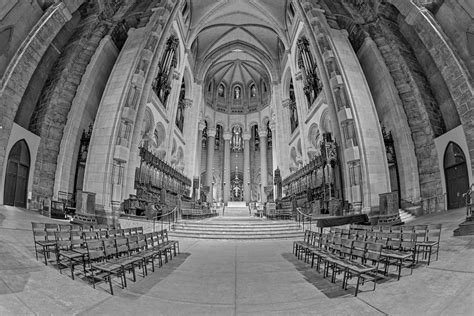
[[241, 38]]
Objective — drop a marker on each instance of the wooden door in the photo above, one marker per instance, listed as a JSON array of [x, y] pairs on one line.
[[16, 178], [455, 171]]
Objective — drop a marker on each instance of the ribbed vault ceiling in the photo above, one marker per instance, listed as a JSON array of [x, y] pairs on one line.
[[238, 40]]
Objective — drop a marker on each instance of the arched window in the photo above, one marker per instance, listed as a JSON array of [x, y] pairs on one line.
[[221, 91], [181, 107], [253, 91], [162, 83], [312, 83], [269, 136], [237, 93], [292, 106]]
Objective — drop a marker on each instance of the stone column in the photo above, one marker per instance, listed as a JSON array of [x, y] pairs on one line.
[[263, 164], [227, 137], [197, 166], [211, 136], [246, 138]]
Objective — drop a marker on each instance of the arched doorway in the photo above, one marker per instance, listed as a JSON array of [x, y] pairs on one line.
[[455, 171], [16, 179]]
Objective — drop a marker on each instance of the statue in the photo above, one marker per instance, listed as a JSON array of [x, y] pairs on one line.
[[236, 138], [220, 90], [253, 91], [237, 93]]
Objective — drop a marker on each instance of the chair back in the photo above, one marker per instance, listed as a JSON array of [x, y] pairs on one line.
[[95, 249], [63, 240], [109, 247], [121, 245]]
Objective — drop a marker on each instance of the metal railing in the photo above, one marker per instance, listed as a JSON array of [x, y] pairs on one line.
[[168, 219], [306, 221]]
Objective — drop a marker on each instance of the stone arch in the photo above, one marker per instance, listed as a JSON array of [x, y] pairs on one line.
[[223, 124], [325, 122], [225, 89], [148, 129], [188, 82], [456, 175], [314, 135], [286, 83], [209, 121], [160, 134], [17, 174]]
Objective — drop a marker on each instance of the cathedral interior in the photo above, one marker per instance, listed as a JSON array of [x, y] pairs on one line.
[[138, 107]]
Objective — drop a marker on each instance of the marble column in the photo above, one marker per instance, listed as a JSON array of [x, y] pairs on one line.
[[246, 138], [227, 137], [211, 136], [263, 164]]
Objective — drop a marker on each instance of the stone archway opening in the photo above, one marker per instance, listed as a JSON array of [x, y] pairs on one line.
[[16, 179], [455, 171]]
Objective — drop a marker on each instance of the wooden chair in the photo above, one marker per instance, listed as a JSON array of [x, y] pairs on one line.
[[65, 254], [44, 239], [431, 243], [174, 244], [99, 268]]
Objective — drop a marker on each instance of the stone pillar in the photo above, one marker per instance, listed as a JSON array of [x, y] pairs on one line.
[[211, 136], [263, 164], [197, 166], [246, 138], [227, 137]]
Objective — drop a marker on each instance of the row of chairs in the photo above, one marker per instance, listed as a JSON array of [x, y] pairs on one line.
[[428, 237], [104, 256], [44, 234], [351, 257]]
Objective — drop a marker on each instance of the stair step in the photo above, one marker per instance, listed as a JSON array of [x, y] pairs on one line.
[[235, 231], [237, 228], [237, 236]]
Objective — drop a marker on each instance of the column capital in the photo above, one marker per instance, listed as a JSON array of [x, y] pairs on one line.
[[227, 136], [246, 136], [211, 132], [263, 133]]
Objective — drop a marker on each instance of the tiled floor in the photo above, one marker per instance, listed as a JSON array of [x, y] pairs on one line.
[[233, 277]]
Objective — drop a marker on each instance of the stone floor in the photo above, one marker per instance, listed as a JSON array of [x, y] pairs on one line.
[[212, 277]]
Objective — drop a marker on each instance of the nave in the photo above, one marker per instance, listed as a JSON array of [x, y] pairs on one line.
[[227, 277]]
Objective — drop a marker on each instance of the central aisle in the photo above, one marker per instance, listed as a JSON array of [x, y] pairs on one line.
[[230, 278]]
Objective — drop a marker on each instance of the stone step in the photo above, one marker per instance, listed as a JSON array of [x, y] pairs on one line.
[[405, 216], [464, 229], [238, 225], [236, 229], [237, 236]]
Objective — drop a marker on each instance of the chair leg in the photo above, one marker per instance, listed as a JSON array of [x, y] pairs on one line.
[[72, 268], [357, 286], [110, 284]]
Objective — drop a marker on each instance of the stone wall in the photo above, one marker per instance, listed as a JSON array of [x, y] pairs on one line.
[[392, 116], [424, 117], [20, 70], [50, 116], [13, 33]]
